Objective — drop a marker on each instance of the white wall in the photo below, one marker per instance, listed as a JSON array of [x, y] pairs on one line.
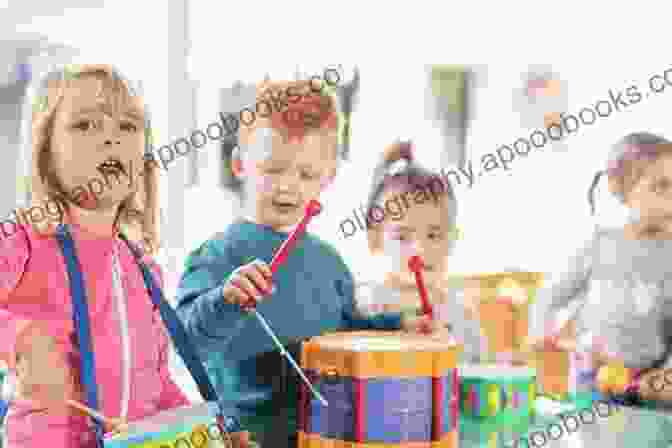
[[530, 217], [526, 217], [10, 97]]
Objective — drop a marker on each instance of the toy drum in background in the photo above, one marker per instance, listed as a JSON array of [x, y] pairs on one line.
[[385, 389], [499, 392], [189, 426]]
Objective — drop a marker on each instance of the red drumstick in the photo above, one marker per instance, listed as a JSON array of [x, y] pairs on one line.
[[312, 209], [415, 264]]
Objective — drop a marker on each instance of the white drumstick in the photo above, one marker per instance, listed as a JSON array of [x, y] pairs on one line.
[[286, 354], [116, 424]]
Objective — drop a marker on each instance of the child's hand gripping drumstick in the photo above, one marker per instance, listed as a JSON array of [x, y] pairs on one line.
[[111, 424], [312, 209]]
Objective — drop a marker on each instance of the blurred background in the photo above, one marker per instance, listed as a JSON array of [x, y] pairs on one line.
[[470, 88]]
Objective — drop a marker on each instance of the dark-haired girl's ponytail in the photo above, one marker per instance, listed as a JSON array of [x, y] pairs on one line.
[[591, 190]]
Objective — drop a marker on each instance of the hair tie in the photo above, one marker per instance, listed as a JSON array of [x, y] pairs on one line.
[[591, 191], [405, 158], [631, 152], [406, 151]]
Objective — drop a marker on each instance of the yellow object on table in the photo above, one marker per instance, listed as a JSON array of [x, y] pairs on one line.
[[614, 377]]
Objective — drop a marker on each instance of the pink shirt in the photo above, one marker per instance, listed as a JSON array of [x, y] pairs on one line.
[[34, 286]]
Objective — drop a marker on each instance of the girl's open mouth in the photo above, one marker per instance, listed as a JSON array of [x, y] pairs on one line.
[[112, 166]]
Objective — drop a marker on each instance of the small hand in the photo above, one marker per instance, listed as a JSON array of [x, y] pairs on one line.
[[423, 325], [42, 369], [240, 439], [115, 425], [248, 285]]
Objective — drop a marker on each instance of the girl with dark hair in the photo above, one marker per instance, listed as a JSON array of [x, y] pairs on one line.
[[424, 228]]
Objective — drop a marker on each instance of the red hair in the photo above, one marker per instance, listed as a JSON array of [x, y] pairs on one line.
[[311, 112]]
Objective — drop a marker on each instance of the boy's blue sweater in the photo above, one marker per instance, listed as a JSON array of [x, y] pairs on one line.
[[314, 295]]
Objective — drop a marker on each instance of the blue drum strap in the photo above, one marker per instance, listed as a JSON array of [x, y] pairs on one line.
[[80, 317], [4, 407]]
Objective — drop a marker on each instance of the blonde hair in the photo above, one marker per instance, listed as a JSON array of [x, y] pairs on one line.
[[138, 214]]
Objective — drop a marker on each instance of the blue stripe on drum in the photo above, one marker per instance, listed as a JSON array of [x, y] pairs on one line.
[[339, 423], [504, 401], [398, 410], [338, 418], [316, 417], [523, 395]]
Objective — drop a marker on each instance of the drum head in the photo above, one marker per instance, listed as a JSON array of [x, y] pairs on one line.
[[173, 420], [382, 342]]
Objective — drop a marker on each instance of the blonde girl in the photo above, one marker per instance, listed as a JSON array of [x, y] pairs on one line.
[[90, 127]]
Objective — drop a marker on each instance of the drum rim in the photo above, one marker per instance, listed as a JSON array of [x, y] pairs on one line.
[[186, 425], [508, 373], [349, 339]]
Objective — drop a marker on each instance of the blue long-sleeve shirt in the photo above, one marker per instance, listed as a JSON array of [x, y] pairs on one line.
[[314, 295]]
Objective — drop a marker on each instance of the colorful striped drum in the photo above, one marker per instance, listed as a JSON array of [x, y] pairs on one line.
[[189, 426], [385, 389], [496, 391]]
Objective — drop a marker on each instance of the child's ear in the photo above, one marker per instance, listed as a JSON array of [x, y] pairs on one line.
[[375, 239]]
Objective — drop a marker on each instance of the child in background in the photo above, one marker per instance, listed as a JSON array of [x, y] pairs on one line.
[[615, 290], [426, 228], [282, 164], [93, 126]]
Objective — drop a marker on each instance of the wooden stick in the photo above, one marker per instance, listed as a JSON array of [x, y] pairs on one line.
[[116, 424]]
